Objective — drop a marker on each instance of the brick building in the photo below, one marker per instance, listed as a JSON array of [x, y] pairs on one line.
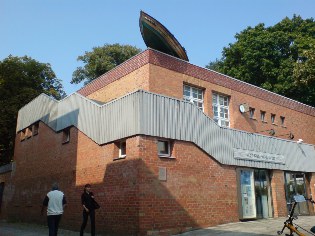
[[167, 146]]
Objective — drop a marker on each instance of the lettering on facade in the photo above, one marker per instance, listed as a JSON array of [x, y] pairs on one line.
[[258, 156]]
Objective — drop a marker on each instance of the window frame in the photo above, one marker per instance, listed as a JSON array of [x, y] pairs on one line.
[[273, 118], [192, 99], [168, 154], [218, 119], [66, 136], [35, 128], [282, 120], [252, 112], [263, 116], [29, 132], [120, 155], [23, 135]]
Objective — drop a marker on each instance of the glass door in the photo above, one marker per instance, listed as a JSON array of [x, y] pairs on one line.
[[295, 184], [248, 208], [263, 204]]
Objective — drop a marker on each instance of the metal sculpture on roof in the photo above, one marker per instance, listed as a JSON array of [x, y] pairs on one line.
[[156, 36]]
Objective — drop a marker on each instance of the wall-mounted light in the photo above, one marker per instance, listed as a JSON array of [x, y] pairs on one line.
[[290, 135], [270, 131]]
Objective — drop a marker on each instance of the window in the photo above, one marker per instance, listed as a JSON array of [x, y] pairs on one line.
[[251, 112], [66, 135], [220, 105], [273, 117], [194, 95], [282, 118], [22, 135], [164, 148], [262, 115], [35, 128], [28, 132], [122, 149]]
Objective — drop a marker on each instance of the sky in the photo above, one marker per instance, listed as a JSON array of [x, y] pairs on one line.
[[58, 31]]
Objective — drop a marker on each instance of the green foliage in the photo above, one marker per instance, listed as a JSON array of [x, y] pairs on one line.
[[304, 74], [268, 56], [21, 80], [101, 60]]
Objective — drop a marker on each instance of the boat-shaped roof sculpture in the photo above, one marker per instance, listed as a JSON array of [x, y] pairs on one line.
[[156, 36]]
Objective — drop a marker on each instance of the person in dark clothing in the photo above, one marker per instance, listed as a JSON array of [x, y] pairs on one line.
[[55, 203], [87, 199]]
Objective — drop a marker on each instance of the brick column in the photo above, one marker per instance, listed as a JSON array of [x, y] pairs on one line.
[[278, 193]]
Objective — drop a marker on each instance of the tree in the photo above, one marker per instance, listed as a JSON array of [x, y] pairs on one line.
[[304, 74], [21, 80], [102, 59], [268, 56]]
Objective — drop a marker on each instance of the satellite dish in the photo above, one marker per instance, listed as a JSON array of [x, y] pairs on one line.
[[244, 108]]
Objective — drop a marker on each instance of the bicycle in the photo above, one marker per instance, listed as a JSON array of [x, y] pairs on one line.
[[294, 228]]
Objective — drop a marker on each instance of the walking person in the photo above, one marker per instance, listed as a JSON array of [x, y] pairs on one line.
[[55, 203], [88, 203]]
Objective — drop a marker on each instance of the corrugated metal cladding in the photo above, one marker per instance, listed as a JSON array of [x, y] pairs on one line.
[[102, 123], [151, 114]]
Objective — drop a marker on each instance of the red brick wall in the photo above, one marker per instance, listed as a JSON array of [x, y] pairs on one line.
[[118, 72], [40, 161], [278, 194], [138, 79], [128, 190], [43, 159], [170, 83], [198, 191], [165, 75]]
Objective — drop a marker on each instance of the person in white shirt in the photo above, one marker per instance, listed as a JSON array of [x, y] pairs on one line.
[[55, 202]]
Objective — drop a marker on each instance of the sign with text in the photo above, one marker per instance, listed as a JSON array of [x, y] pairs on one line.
[[258, 156]]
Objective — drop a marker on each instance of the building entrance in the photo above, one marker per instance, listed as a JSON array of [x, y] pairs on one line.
[[295, 184], [262, 194], [255, 200]]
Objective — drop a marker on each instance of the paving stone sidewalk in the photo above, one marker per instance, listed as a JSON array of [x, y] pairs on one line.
[[264, 227], [22, 229]]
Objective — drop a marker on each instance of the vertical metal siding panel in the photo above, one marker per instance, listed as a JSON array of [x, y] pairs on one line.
[[156, 115], [137, 118], [110, 123], [170, 117], [185, 134], [161, 115], [155, 112], [149, 113], [142, 106], [131, 121], [180, 124], [103, 124], [152, 109], [36, 110], [192, 122]]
